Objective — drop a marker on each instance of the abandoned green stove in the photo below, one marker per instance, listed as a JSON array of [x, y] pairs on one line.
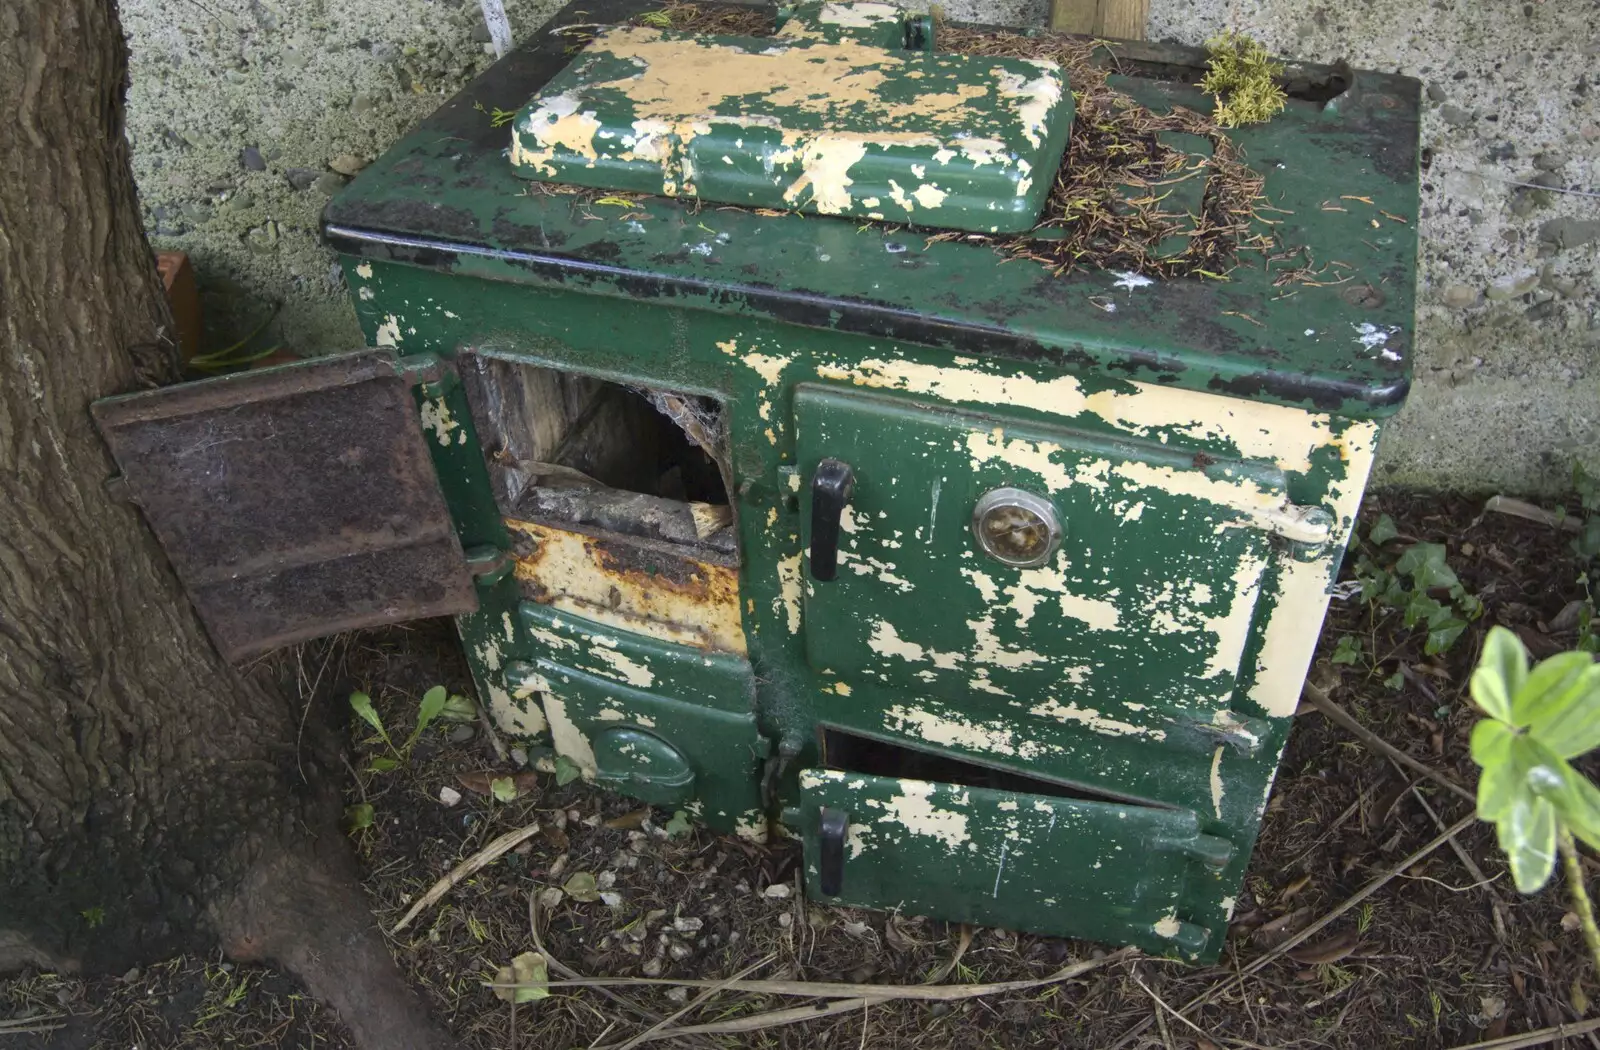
[[993, 585]]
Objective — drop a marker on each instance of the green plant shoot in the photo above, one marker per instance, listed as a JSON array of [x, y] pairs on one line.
[[1244, 79], [1538, 719]]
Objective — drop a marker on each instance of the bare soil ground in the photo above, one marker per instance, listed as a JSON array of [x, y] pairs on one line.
[[1443, 955]]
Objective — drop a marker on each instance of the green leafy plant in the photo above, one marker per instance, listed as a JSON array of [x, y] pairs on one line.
[[1418, 581], [1348, 650], [1244, 79], [436, 703], [679, 825], [1537, 720]]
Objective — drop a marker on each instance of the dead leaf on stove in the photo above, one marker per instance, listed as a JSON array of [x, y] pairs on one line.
[[1328, 951], [483, 783], [557, 838], [1519, 984], [629, 821]]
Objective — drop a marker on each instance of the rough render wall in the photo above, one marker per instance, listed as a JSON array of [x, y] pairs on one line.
[[243, 114]]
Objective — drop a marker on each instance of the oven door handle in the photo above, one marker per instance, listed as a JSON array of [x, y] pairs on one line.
[[831, 487]]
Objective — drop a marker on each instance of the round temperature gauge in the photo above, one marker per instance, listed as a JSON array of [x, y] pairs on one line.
[[1016, 527]]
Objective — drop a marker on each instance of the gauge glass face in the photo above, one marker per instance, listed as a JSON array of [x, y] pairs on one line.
[[1016, 527]]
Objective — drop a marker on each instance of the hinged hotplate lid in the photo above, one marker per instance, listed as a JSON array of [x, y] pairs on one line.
[[295, 501], [816, 119]]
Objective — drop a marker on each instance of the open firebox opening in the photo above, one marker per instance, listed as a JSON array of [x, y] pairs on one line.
[[575, 451]]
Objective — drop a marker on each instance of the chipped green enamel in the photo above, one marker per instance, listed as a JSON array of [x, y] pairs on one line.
[[803, 123], [455, 256]]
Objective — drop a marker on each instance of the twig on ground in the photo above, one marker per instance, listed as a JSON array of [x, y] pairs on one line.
[[649, 1033], [1300, 938], [1534, 1038], [1497, 905], [837, 989], [796, 1014], [30, 1025], [479, 860], [1528, 512], [1342, 718]]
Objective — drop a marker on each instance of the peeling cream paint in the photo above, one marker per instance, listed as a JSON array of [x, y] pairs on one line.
[[626, 670], [508, 627], [1300, 590], [789, 591], [388, 333], [1168, 926], [768, 366], [1036, 98], [1279, 434], [364, 270], [751, 825], [886, 641], [524, 719], [567, 737], [914, 810], [1053, 708], [1232, 629], [1216, 781], [998, 737], [436, 417]]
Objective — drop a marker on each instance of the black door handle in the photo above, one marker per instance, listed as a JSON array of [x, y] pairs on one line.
[[830, 492], [830, 860]]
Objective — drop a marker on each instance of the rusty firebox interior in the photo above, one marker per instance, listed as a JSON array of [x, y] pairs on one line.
[[580, 452]]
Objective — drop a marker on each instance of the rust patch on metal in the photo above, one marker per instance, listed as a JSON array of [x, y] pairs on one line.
[[283, 520], [631, 584]]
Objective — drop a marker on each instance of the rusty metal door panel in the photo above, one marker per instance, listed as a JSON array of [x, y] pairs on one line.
[[294, 502]]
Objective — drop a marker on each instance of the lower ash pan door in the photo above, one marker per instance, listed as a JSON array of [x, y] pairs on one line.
[[1065, 867]]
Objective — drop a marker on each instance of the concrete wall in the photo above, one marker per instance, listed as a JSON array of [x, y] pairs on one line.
[[245, 114]]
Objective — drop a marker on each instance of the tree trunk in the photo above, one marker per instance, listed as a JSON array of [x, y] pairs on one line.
[[151, 799]]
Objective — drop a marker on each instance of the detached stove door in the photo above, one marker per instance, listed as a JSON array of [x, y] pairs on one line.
[[1110, 584], [293, 502]]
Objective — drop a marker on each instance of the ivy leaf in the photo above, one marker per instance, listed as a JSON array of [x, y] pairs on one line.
[[1502, 669], [680, 824], [1443, 635], [566, 771], [361, 704], [383, 764], [1422, 609], [1383, 530], [1395, 681], [504, 789], [1348, 651], [1425, 564]]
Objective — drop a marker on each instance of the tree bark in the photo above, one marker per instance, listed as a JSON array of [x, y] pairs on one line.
[[151, 799]]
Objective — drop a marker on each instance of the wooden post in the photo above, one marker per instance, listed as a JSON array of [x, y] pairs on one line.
[[1119, 19]]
